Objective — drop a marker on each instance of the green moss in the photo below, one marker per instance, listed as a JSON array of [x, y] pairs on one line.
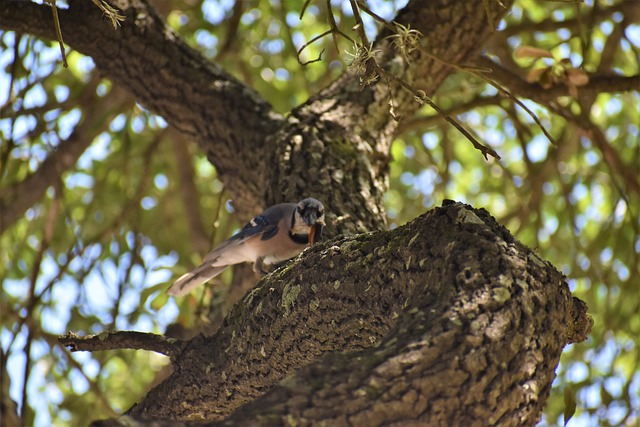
[[289, 296]]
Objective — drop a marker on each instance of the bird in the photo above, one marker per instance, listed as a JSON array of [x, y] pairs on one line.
[[279, 233]]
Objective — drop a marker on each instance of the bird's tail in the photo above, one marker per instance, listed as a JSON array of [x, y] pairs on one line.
[[195, 278]]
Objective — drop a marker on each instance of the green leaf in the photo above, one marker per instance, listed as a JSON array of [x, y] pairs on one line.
[[569, 404]]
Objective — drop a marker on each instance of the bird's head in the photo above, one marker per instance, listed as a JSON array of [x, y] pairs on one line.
[[309, 219]]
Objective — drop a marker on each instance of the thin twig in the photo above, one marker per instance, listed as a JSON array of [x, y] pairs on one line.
[[119, 340], [310, 42], [359, 27], [420, 96], [56, 24]]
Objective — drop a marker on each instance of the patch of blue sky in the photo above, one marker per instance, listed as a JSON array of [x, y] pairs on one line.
[[118, 123], [138, 123], [52, 115], [539, 111], [161, 181], [282, 74], [100, 288], [208, 41], [78, 381], [102, 89], [551, 224], [621, 270], [426, 181], [97, 151], [407, 178], [577, 372], [580, 222], [594, 212], [68, 121], [590, 395], [214, 11], [632, 33], [17, 288], [430, 140], [515, 154], [616, 413], [157, 122], [15, 363], [253, 16], [620, 211], [514, 42], [455, 167], [292, 19], [85, 66], [472, 118], [563, 33], [409, 151], [21, 127], [613, 106], [493, 138], [272, 46], [606, 255], [606, 27], [537, 148], [34, 391], [298, 39], [583, 261], [591, 157], [147, 203]]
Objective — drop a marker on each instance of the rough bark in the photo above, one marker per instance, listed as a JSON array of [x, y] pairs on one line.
[[445, 321], [339, 139]]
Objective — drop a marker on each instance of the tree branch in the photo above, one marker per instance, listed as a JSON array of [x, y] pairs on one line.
[[124, 340], [227, 118], [16, 199], [341, 138], [535, 92], [446, 302]]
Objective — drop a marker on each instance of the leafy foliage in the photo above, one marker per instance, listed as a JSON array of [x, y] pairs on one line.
[[96, 251]]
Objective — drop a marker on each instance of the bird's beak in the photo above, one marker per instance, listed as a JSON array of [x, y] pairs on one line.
[[315, 232], [312, 235]]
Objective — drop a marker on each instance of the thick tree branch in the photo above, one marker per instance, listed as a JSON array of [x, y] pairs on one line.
[[340, 138], [228, 119], [448, 302], [123, 340]]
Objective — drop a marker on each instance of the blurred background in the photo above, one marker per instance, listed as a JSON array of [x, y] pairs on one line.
[[129, 204]]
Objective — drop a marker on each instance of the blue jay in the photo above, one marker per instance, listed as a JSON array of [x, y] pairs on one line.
[[277, 234]]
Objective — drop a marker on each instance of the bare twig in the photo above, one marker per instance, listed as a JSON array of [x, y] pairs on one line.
[[422, 97], [56, 24], [119, 340], [359, 27]]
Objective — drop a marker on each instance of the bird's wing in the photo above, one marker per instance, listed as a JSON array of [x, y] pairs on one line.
[[238, 248]]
